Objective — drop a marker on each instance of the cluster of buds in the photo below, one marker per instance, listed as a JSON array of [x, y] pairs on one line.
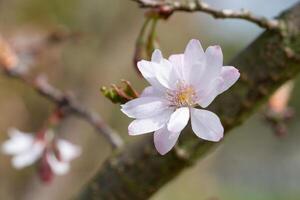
[[120, 94]]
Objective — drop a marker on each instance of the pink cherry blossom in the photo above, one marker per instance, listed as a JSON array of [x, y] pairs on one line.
[[178, 85], [54, 154]]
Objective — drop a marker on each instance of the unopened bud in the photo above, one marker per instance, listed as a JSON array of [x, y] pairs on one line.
[[120, 94], [279, 100], [8, 59]]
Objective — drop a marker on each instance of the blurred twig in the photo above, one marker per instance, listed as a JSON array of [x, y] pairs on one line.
[[170, 7], [9, 65], [141, 43], [146, 41]]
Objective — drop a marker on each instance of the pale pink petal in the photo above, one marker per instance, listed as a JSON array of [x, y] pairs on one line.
[[165, 140], [29, 156], [148, 71], [67, 150], [194, 61], [177, 61], [206, 125], [144, 107], [18, 142], [157, 56], [58, 167], [214, 62], [230, 75], [179, 119], [196, 75], [160, 75], [205, 97], [146, 68], [167, 75], [194, 53], [211, 70], [141, 126], [150, 91]]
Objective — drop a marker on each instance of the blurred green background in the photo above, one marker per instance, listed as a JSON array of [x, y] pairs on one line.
[[250, 164]]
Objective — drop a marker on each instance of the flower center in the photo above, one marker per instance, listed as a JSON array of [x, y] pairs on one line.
[[184, 95]]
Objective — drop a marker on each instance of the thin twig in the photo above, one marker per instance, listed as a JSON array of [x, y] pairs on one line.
[[66, 102], [199, 6]]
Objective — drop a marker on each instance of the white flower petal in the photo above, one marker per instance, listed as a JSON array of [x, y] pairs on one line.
[[206, 125], [18, 142], [157, 56], [212, 91], [196, 76], [141, 126], [148, 71], [193, 53], [165, 140], [58, 167], [67, 150], [230, 75], [214, 62], [179, 119], [29, 156], [177, 61], [150, 91], [167, 75], [146, 68], [159, 72], [194, 61], [144, 107]]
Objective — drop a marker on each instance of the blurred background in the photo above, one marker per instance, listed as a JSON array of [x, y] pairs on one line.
[[252, 163]]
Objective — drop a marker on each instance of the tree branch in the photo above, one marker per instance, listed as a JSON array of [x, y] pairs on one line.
[[139, 171], [169, 7], [9, 64]]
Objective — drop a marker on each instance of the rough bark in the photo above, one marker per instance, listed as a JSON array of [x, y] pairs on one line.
[[137, 171]]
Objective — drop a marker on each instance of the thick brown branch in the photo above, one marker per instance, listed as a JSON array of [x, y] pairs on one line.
[[139, 171], [199, 6]]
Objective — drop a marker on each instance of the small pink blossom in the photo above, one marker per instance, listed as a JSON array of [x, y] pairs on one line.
[[54, 154], [178, 85]]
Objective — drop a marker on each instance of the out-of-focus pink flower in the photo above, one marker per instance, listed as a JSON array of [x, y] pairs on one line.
[[8, 58], [178, 85], [54, 154], [279, 101]]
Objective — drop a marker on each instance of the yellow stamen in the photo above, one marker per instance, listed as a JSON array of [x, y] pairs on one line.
[[183, 96]]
